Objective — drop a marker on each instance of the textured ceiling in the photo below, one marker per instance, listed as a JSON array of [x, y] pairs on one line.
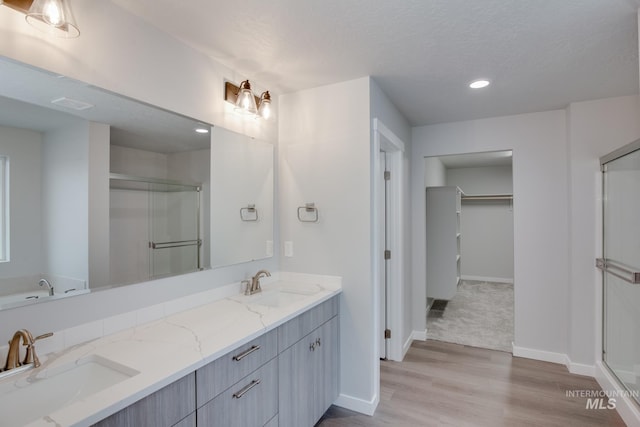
[[539, 54]]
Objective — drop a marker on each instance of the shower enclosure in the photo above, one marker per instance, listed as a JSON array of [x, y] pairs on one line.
[[620, 265], [154, 228]]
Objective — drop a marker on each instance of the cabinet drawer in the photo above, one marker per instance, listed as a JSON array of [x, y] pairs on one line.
[[252, 401], [295, 329], [165, 407], [219, 375]]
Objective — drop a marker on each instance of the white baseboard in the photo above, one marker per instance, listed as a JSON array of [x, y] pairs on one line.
[[581, 369], [488, 279], [357, 404], [626, 407], [419, 335], [545, 356], [560, 358]]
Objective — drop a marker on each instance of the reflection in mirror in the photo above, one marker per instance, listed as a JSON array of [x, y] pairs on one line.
[[66, 220], [242, 198]]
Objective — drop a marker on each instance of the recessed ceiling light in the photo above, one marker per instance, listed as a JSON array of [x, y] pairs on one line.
[[479, 84], [201, 130]]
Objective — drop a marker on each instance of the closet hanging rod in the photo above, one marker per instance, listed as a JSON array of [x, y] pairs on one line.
[[487, 197]]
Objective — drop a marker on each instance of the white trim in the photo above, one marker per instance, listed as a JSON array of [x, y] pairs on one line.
[[626, 406], [406, 346], [385, 140], [378, 126], [488, 279], [581, 369], [358, 405], [419, 335], [545, 356]]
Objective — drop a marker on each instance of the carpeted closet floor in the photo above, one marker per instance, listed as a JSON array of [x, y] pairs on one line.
[[479, 315]]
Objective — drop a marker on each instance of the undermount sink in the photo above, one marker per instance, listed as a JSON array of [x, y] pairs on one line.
[[36, 393], [285, 295]]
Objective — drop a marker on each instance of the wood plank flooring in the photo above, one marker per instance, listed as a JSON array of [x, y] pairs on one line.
[[442, 384]]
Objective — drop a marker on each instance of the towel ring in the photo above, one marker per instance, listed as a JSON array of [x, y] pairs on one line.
[[249, 214], [309, 208]]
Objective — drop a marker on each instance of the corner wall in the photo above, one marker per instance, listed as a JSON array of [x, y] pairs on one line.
[[324, 154]]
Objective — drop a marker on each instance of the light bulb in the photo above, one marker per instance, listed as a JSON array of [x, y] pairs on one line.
[[52, 13], [246, 102], [264, 110]]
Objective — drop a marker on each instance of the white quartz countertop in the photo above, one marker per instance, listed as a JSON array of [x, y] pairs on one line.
[[166, 350]]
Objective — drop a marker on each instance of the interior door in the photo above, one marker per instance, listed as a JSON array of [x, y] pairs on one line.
[[621, 265]]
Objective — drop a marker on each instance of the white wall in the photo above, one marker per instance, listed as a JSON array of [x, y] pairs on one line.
[[540, 215], [482, 180], [595, 129], [325, 158], [486, 244], [435, 174], [24, 149], [65, 202], [153, 70]]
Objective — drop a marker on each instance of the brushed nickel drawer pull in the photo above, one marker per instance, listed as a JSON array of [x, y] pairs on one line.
[[245, 389], [245, 353]]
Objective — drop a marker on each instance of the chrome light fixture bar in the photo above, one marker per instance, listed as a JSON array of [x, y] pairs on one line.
[[246, 102], [53, 17]]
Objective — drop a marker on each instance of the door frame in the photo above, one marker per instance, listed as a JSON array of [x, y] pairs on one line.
[[385, 140]]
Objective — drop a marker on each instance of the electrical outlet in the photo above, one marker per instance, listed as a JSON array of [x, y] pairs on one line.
[[288, 248]]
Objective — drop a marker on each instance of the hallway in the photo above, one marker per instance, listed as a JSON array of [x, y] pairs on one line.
[[441, 384]]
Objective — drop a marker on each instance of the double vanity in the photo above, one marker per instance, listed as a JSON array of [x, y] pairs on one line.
[[270, 358]]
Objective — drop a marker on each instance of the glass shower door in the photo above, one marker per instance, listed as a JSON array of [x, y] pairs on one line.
[[174, 231], [621, 265]]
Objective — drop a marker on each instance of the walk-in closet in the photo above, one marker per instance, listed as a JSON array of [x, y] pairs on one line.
[[469, 249]]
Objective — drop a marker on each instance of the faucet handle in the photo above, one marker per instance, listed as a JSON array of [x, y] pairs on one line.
[[31, 356], [247, 286], [39, 337]]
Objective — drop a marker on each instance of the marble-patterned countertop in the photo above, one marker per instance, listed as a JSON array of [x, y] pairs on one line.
[[166, 350]]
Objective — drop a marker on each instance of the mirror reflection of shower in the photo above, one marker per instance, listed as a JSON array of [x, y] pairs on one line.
[[469, 241], [157, 214]]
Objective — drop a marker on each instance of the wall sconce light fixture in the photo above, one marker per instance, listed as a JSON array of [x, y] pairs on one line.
[[53, 17], [246, 102]]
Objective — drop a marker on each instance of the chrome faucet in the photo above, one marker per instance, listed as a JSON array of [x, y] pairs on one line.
[[254, 286], [45, 282], [13, 355]]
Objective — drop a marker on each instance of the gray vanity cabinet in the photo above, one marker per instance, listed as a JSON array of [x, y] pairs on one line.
[[173, 405], [308, 369]]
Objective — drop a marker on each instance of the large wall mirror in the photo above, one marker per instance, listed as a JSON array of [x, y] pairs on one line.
[[98, 190], [242, 208]]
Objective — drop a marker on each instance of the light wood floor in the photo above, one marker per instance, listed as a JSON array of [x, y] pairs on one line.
[[442, 384]]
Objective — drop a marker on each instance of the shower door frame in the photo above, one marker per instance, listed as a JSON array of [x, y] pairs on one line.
[[603, 265]]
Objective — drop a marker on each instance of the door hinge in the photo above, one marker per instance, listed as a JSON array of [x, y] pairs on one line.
[[387, 254], [387, 334], [387, 175]]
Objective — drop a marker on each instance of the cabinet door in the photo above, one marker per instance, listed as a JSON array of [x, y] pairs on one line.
[[326, 367], [309, 377]]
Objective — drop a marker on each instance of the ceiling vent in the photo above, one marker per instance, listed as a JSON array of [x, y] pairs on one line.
[[72, 104]]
